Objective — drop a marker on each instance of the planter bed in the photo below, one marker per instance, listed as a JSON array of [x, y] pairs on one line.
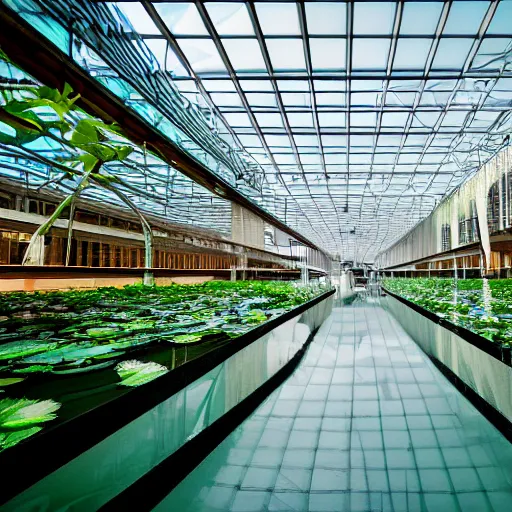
[[480, 306], [96, 404], [479, 368]]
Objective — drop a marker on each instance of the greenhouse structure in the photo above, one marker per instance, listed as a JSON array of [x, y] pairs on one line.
[[256, 255]]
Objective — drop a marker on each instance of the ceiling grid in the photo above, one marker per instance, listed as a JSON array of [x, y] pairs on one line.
[[362, 116]]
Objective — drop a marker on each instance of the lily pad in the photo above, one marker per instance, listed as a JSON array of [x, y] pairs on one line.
[[186, 338], [10, 439], [18, 413], [11, 380], [17, 349], [135, 373], [102, 332], [36, 368]]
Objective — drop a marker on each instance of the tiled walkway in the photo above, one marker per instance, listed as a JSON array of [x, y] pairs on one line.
[[366, 423]]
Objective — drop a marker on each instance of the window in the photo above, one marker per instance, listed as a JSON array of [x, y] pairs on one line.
[[446, 244]]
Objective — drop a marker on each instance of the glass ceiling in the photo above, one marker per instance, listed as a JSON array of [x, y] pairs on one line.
[[361, 116]]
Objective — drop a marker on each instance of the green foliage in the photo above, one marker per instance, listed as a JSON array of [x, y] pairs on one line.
[[21, 418], [135, 373], [462, 302], [44, 333]]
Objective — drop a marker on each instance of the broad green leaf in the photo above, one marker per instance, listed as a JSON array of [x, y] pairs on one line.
[[18, 413], [123, 152], [17, 349], [134, 373], [84, 133], [11, 380], [10, 439]]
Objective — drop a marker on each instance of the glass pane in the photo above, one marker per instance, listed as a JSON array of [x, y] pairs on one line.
[[331, 119], [330, 85], [300, 119], [293, 85], [165, 56], [394, 119], [454, 118], [257, 99], [250, 141], [465, 17], [500, 23], [365, 99], [334, 141], [219, 85], [326, 18], [492, 54], [363, 119], [278, 18], [411, 53], [181, 18], [286, 54], [291, 99], [202, 55], [269, 120], [452, 53], [305, 140], [420, 18], [400, 99], [226, 99], [370, 54], [238, 119], [138, 17], [425, 119], [230, 19], [327, 54], [373, 18], [330, 99], [244, 54], [256, 85]]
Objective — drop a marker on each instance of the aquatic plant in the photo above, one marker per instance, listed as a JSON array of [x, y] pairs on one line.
[[135, 373], [20, 418], [482, 306]]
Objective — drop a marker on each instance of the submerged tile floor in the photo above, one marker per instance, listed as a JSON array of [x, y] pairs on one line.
[[365, 423]]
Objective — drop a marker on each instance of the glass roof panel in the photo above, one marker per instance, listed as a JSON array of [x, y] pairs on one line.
[[402, 129], [166, 58], [411, 54], [182, 18], [331, 119], [226, 99], [238, 119], [268, 120], [259, 99], [500, 23], [493, 54], [300, 119], [452, 53], [296, 99], [256, 85], [219, 85], [271, 16], [202, 55], [370, 54], [330, 99], [326, 18], [373, 18], [139, 18], [244, 54], [286, 54], [230, 18], [328, 54], [420, 18], [465, 17]]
